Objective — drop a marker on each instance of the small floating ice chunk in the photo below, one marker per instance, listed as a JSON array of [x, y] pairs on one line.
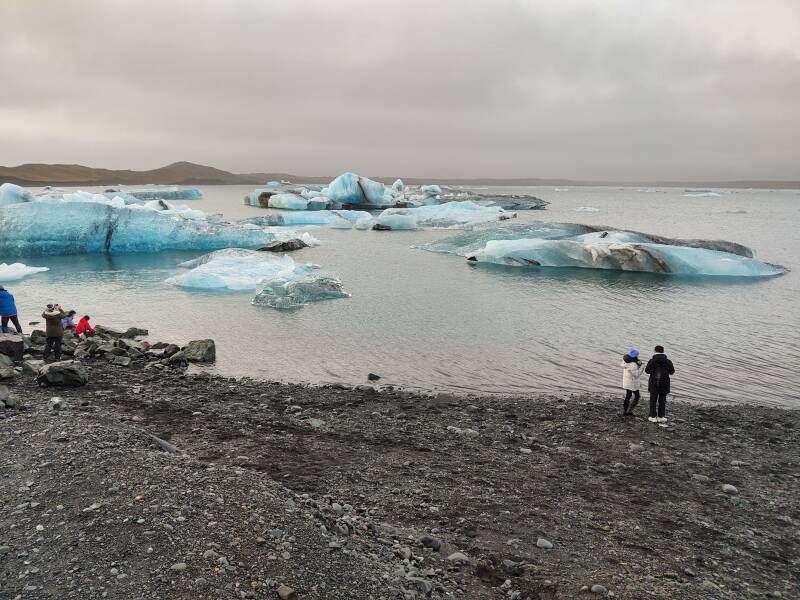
[[293, 290], [589, 209], [287, 201], [304, 217], [16, 271]]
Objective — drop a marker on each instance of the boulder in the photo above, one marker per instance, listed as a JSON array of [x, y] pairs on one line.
[[12, 345], [66, 373], [122, 361], [381, 227], [284, 245], [133, 332], [6, 361], [179, 358], [108, 331], [6, 399], [7, 373], [38, 337], [200, 351], [31, 367]]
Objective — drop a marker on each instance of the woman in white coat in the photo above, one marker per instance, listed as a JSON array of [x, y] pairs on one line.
[[631, 373]]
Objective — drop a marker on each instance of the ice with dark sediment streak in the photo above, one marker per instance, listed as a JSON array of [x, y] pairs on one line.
[[307, 217], [79, 223], [582, 246], [168, 193], [279, 281]]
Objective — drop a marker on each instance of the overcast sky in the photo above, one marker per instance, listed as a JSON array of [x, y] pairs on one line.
[[611, 89]]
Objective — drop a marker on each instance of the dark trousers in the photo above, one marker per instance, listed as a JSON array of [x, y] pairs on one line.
[[627, 407], [54, 344], [658, 399], [4, 323]]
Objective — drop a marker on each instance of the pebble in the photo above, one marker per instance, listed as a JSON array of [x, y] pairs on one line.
[[459, 558], [179, 567], [599, 589], [285, 592], [428, 541], [731, 490], [526, 450], [543, 543], [700, 478]]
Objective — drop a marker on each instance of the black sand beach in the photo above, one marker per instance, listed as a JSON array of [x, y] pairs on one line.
[[365, 493]]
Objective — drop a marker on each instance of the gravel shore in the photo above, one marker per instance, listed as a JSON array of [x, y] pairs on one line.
[[158, 483]]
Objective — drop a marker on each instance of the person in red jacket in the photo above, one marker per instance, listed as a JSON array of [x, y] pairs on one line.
[[84, 327]]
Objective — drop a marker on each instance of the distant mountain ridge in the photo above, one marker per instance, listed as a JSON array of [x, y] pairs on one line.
[[187, 173]]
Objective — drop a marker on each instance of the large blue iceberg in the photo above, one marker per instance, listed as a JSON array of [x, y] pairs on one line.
[[82, 222], [571, 245], [279, 281], [11, 193]]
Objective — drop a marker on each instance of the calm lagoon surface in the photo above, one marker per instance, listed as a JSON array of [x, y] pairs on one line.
[[433, 322]]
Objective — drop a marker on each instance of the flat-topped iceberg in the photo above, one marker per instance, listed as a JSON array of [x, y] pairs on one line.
[[302, 217], [82, 222], [168, 193], [452, 215], [569, 245], [279, 280], [16, 271]]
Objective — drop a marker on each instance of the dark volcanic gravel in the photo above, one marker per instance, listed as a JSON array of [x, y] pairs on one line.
[[340, 493]]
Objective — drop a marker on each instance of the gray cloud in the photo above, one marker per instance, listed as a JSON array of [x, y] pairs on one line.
[[620, 89]]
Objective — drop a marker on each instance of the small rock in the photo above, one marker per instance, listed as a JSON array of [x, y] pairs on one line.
[[458, 558], [701, 478], [428, 541], [285, 592], [731, 490], [55, 403], [373, 377], [599, 589], [543, 543], [179, 567], [526, 450]]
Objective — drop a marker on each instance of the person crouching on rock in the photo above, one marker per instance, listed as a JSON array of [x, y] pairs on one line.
[[8, 311], [54, 330], [659, 368], [631, 373], [84, 327], [68, 322]]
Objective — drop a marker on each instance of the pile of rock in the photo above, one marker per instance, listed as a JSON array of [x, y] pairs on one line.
[[122, 348]]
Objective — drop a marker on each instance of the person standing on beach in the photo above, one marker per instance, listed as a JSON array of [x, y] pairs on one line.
[[659, 367], [631, 373], [8, 311], [54, 330]]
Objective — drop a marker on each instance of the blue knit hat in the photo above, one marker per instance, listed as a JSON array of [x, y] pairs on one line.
[[633, 353]]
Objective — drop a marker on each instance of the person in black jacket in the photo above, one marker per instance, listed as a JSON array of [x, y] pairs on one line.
[[659, 367]]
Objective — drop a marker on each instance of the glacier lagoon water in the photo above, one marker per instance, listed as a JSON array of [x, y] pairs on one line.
[[433, 322]]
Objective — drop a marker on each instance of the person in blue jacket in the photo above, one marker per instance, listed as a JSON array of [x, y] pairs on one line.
[[8, 311]]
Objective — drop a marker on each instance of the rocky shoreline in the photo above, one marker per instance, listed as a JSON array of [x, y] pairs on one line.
[[154, 481]]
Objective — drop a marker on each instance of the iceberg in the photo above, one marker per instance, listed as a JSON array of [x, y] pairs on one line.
[[280, 281], [11, 193], [16, 271], [288, 201], [570, 245], [82, 222], [350, 188], [451, 215], [314, 217], [170, 193], [235, 269]]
